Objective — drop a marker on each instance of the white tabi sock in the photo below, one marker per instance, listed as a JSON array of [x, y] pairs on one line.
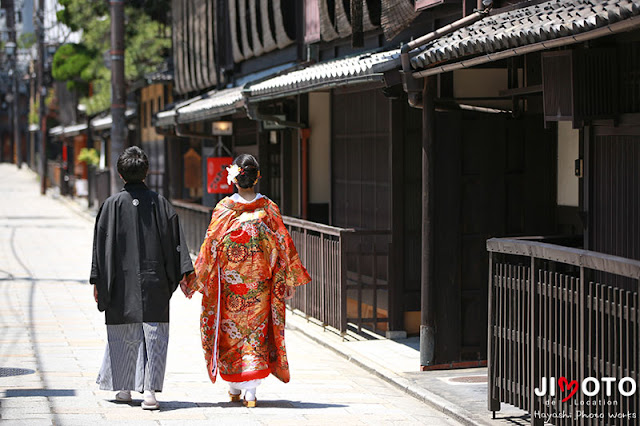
[[234, 391], [250, 394]]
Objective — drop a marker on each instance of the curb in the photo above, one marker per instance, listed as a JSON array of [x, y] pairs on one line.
[[84, 213], [454, 411]]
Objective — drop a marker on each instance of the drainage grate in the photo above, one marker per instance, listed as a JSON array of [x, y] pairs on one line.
[[469, 379], [6, 372]]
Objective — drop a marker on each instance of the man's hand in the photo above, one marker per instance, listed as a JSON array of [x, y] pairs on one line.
[[95, 292], [185, 285]]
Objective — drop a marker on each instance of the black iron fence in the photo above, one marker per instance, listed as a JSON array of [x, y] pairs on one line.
[[349, 272], [563, 333], [349, 269]]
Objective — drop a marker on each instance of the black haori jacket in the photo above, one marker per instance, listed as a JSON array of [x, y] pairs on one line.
[[139, 256]]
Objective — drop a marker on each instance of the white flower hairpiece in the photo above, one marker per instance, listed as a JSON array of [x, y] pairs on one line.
[[232, 173]]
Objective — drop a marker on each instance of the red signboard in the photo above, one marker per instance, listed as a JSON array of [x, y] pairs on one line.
[[217, 175]]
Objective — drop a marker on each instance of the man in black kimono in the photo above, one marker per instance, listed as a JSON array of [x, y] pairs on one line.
[[139, 258]]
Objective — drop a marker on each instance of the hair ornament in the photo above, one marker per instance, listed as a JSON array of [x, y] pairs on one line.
[[232, 173], [257, 179]]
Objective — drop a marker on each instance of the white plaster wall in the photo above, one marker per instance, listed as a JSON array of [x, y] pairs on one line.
[[481, 82], [568, 152]]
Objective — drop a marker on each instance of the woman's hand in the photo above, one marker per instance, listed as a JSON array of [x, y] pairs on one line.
[[185, 285], [95, 293]]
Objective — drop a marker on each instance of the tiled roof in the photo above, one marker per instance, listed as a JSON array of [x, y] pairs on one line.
[[104, 123], [355, 69], [526, 25], [215, 104], [65, 131], [159, 76], [166, 118]]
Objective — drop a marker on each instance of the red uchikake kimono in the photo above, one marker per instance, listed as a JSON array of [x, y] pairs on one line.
[[246, 268]]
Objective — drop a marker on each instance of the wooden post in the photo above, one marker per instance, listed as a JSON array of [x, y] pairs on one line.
[[396, 249], [357, 24], [427, 306], [534, 368], [304, 147], [342, 268], [493, 402]]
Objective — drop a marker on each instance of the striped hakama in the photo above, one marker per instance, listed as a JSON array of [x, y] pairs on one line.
[[135, 357]]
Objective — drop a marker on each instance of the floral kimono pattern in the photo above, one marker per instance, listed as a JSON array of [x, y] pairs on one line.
[[246, 268]]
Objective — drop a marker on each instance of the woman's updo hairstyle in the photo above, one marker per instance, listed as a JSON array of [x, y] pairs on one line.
[[250, 173]]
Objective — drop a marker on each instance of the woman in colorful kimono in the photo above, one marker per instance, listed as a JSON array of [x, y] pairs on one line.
[[246, 268]]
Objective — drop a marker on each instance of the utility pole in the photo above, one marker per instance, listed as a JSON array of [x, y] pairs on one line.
[[16, 108], [42, 91], [11, 26], [118, 93]]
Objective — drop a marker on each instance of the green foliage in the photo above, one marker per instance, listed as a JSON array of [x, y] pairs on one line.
[[26, 40], [101, 97], [78, 14], [155, 9], [89, 156], [147, 44], [33, 112], [69, 64], [146, 47], [50, 99]]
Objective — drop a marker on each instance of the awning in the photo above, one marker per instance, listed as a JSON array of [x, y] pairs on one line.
[[166, 118], [67, 131], [362, 68], [214, 104], [522, 30], [104, 123]]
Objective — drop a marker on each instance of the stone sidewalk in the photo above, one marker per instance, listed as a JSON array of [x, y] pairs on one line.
[[52, 342]]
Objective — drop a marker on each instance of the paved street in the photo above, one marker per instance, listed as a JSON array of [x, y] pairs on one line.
[[52, 342]]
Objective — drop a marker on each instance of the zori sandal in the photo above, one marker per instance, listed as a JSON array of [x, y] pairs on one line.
[[249, 404]]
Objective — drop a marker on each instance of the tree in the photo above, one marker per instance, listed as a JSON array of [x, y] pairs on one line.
[[147, 44], [70, 64]]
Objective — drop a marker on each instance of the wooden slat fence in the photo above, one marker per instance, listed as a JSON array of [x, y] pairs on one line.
[[563, 312]]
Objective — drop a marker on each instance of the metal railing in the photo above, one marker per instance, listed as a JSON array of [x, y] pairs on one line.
[[322, 252], [564, 319], [195, 220], [348, 267], [349, 272]]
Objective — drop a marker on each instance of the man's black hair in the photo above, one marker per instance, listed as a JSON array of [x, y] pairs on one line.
[[133, 165]]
